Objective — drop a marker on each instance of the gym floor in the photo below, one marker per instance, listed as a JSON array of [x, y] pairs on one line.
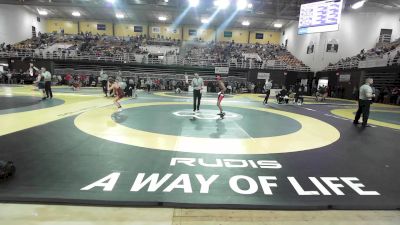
[[76, 149]]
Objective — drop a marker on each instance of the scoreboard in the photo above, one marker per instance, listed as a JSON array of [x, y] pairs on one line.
[[320, 16]]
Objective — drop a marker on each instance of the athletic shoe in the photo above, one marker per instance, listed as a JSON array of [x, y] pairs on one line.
[[120, 109], [197, 111]]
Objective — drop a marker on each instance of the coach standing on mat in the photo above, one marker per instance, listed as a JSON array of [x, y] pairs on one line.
[[364, 102], [197, 84], [47, 82]]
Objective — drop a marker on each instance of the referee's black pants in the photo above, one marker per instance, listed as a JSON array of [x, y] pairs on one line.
[[196, 99], [363, 108], [104, 86], [47, 88], [267, 92]]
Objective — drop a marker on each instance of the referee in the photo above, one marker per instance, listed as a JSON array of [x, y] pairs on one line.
[[364, 102], [197, 84], [104, 79]]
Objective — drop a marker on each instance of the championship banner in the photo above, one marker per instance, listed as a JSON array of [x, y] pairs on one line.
[[221, 70], [263, 76]]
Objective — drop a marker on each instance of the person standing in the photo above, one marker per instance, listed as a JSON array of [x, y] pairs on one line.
[[104, 80], [221, 94], [364, 101], [267, 88], [197, 84], [47, 82], [40, 82]]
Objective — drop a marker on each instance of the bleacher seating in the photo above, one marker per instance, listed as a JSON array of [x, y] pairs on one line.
[[141, 49]]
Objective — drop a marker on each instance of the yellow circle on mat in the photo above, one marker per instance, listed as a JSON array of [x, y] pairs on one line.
[[349, 114], [313, 134]]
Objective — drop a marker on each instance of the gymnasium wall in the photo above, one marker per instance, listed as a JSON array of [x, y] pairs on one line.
[[182, 32], [92, 26], [268, 37], [165, 31], [358, 30], [16, 24], [69, 27], [127, 29]]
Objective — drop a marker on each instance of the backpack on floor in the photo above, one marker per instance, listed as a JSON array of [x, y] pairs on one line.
[[7, 169]]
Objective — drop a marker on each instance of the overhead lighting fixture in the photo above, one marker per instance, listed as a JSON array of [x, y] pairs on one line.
[[76, 13], [120, 15], [162, 18], [205, 20], [222, 4], [246, 23], [278, 25], [194, 3], [166, 1], [250, 5], [111, 1], [241, 4], [42, 12], [358, 4]]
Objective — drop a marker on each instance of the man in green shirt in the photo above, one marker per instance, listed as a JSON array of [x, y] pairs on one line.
[[364, 102]]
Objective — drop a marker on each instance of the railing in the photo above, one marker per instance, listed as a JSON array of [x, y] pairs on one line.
[[166, 60]]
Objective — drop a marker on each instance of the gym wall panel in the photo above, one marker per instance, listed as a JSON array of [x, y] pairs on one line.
[[269, 36], [358, 30], [70, 27], [165, 30], [16, 24], [125, 29], [204, 34], [239, 36], [91, 26]]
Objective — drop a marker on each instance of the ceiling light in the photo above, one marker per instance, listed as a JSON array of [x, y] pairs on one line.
[[205, 20], [358, 4], [162, 18], [76, 13], [120, 15], [42, 12], [246, 23], [278, 25], [111, 1], [193, 3], [241, 4], [222, 4], [166, 1], [250, 5]]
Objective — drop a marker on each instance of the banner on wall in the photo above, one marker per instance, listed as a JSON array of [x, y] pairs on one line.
[[259, 36], [221, 70], [263, 76], [192, 32], [156, 30], [138, 29], [333, 48], [344, 77], [101, 27]]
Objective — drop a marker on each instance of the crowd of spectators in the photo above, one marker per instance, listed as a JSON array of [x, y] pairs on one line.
[[382, 51], [88, 44], [231, 52]]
